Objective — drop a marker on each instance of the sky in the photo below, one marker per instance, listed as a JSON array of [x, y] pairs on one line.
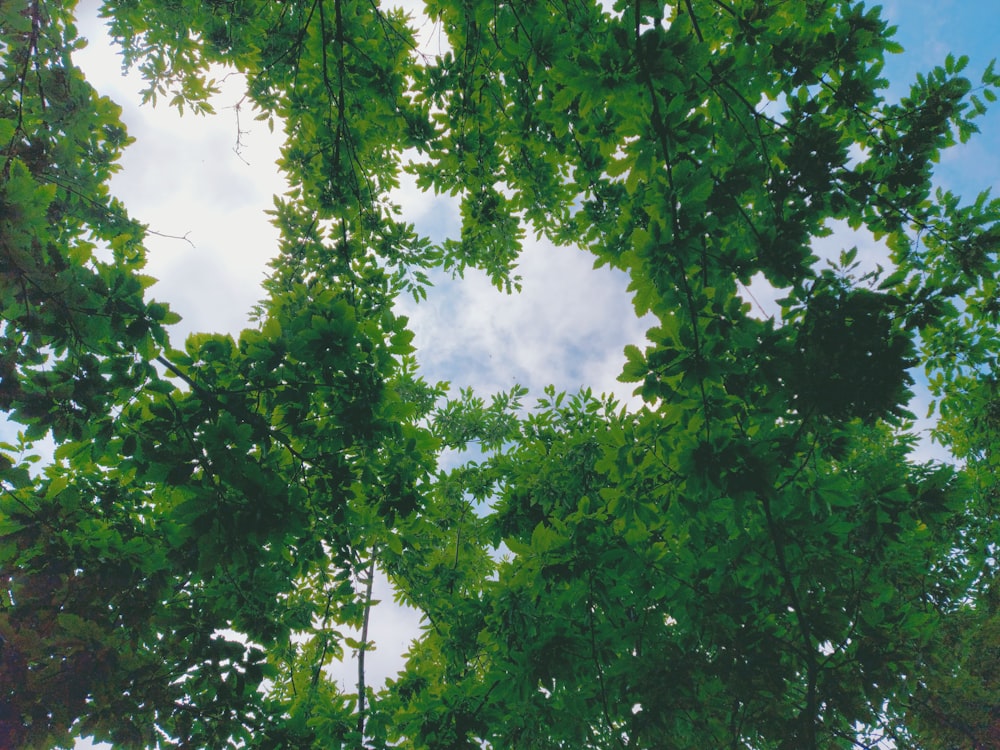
[[569, 325]]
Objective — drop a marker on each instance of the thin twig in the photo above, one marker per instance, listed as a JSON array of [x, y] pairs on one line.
[[183, 237]]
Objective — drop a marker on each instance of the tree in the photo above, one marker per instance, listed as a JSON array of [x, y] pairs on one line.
[[750, 559]]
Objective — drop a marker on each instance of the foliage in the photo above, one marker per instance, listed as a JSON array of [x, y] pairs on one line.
[[750, 559]]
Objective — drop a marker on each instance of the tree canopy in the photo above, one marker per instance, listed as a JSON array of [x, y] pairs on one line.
[[752, 558]]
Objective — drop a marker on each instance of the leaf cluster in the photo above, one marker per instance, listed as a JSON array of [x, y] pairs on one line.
[[750, 558]]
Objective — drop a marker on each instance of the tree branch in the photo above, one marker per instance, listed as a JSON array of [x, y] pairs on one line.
[[364, 647]]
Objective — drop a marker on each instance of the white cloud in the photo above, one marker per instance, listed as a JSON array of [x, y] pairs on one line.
[[568, 326], [183, 178]]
